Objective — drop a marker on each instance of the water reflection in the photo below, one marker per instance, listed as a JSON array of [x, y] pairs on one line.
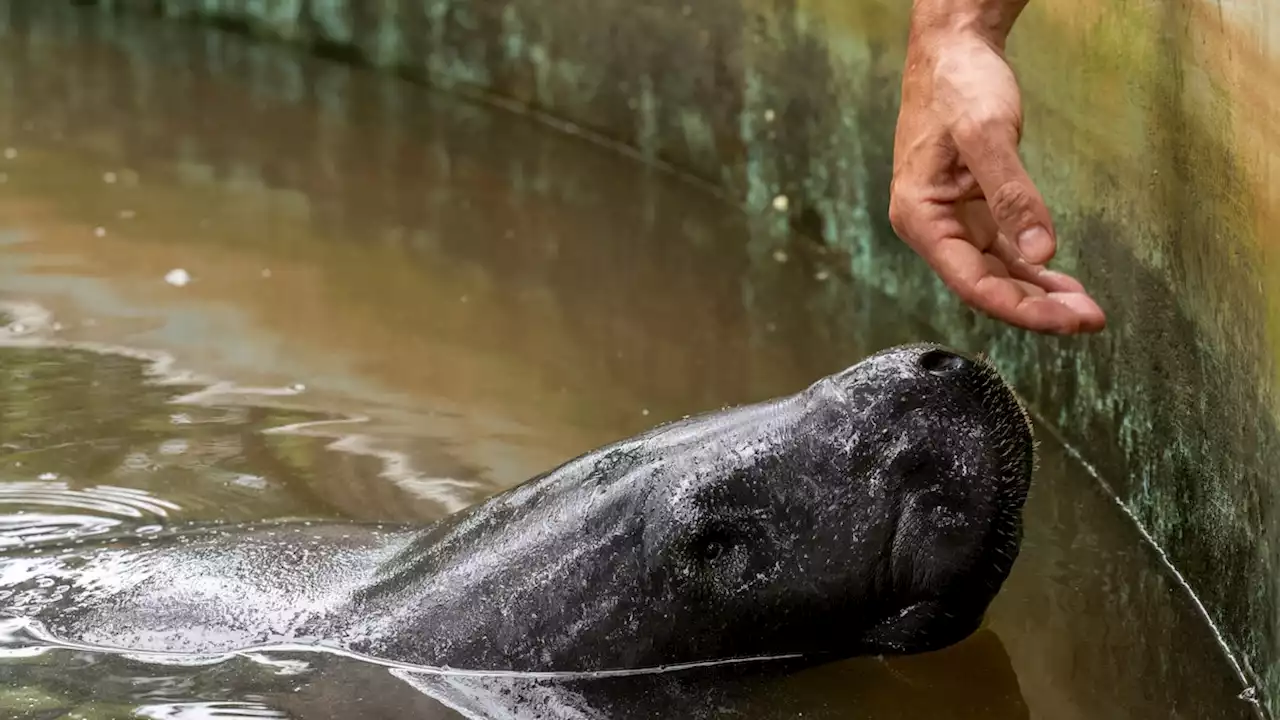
[[87, 431], [969, 681]]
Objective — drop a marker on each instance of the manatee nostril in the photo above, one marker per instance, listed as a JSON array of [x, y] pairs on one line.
[[941, 362]]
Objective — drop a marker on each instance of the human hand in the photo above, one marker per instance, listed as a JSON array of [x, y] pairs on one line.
[[960, 196]]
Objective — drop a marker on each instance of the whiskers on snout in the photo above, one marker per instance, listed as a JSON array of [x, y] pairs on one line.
[[1012, 432]]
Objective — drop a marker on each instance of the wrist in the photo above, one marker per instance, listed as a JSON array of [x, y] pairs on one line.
[[988, 20]]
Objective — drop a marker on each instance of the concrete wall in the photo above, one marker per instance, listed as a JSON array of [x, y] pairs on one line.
[[1150, 128]]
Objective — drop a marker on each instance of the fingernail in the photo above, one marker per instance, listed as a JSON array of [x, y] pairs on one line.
[[1035, 244]]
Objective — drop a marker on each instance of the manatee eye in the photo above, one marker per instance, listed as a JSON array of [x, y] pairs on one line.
[[711, 550], [711, 545]]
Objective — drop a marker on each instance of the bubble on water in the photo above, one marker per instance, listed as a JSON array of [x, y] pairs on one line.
[[49, 476], [780, 255], [821, 275], [266, 272], [10, 153], [4, 177], [644, 411], [298, 387], [463, 298], [769, 115], [176, 446], [177, 277], [250, 481], [781, 203], [109, 178], [127, 214], [17, 328], [100, 231]]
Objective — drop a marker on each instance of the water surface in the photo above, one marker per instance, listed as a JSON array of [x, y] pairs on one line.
[[242, 285]]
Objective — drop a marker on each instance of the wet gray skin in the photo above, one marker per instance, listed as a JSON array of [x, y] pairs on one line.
[[877, 511]]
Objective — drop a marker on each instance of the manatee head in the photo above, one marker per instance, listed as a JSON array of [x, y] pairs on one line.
[[877, 511]]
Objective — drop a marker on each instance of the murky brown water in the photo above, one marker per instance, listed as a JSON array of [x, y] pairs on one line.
[[484, 298]]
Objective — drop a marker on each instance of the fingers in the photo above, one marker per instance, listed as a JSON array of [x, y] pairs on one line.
[[989, 148], [1038, 280], [1022, 295], [983, 281], [1037, 275], [998, 282]]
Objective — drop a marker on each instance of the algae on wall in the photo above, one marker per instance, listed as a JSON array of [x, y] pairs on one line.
[[1150, 149]]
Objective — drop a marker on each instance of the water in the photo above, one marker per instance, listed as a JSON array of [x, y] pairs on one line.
[[321, 294]]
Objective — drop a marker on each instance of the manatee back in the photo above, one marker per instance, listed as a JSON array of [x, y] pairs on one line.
[[202, 590]]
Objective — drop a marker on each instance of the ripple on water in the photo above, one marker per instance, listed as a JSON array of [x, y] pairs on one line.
[[206, 710], [120, 434], [105, 508]]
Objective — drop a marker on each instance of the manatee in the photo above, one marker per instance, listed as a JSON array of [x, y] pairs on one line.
[[875, 512]]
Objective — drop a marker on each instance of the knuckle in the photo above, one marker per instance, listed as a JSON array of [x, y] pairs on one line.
[[899, 212], [1012, 200], [981, 127]]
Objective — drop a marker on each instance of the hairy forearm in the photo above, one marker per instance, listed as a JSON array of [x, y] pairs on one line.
[[990, 19]]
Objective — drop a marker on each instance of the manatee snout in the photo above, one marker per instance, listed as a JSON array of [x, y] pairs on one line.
[[951, 453]]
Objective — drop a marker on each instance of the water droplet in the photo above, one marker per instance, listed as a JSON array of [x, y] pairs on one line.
[[781, 203], [177, 277], [780, 255]]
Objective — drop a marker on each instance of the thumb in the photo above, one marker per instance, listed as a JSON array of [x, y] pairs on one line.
[[991, 154]]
